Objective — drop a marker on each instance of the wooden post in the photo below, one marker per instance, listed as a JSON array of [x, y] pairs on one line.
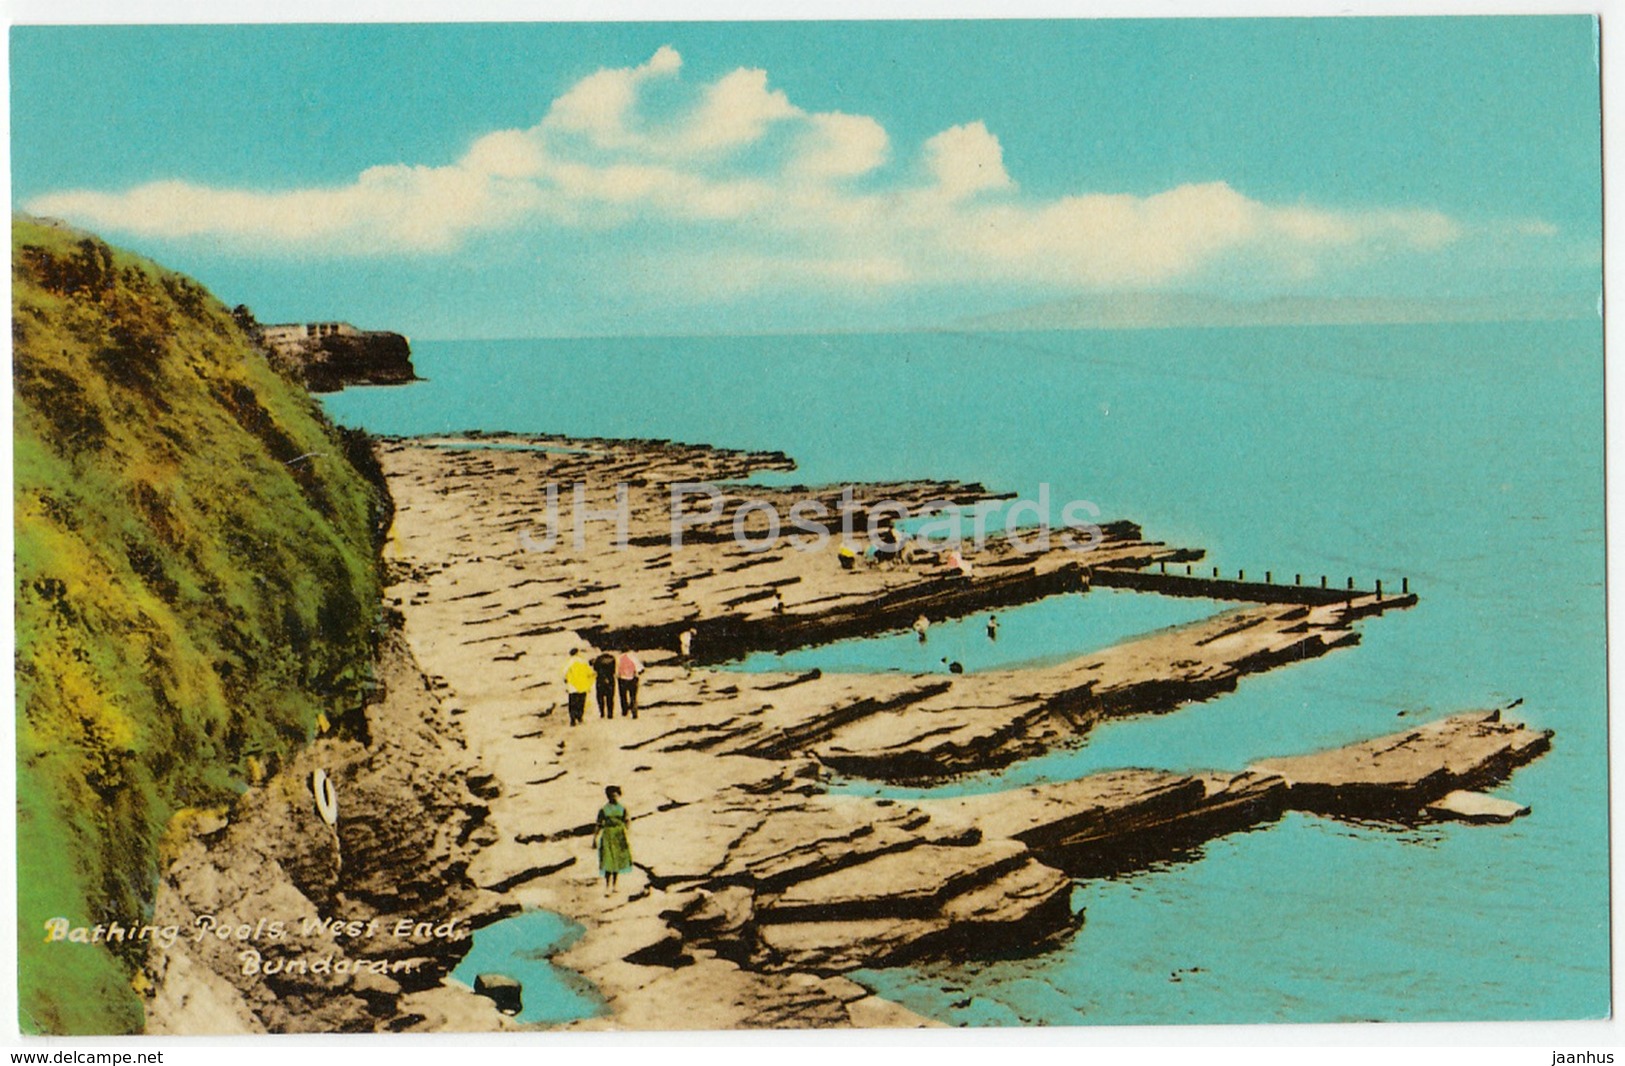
[[1297, 579], [1187, 569], [1269, 577], [1241, 575], [1379, 590], [1322, 580], [1215, 571], [1164, 566], [1405, 586], [1351, 584]]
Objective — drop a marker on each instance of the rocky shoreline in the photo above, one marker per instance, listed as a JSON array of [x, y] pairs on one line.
[[756, 890], [264, 896], [327, 357]]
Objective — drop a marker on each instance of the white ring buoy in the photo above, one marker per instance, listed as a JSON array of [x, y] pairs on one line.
[[327, 801]]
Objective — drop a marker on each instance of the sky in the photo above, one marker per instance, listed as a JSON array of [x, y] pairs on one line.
[[508, 180]]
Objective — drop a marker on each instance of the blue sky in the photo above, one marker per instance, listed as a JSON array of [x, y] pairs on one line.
[[564, 179]]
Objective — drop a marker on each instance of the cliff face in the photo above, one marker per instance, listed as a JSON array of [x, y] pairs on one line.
[[328, 363], [197, 592], [410, 817]]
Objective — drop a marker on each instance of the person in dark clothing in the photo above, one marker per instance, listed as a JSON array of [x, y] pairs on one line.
[[888, 547], [604, 666], [627, 669]]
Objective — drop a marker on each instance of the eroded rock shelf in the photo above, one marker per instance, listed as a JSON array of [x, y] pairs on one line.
[[756, 889], [752, 872]]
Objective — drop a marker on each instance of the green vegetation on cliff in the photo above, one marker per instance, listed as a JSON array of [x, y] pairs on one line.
[[196, 588]]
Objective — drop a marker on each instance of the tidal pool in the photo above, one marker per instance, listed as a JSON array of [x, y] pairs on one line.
[[1048, 631], [520, 947]]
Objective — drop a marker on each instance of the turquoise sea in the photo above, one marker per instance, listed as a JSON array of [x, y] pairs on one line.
[[1468, 458]]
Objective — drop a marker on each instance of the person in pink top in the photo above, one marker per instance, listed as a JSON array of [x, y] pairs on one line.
[[627, 669]]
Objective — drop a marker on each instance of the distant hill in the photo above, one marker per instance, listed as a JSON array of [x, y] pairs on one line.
[[1171, 310], [196, 591]]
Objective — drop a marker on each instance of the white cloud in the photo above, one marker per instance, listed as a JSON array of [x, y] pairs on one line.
[[390, 208], [733, 111], [966, 159], [600, 104], [841, 146], [787, 209], [1142, 239], [507, 154], [736, 111]]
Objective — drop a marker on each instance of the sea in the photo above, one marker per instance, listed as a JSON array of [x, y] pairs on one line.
[[1464, 458]]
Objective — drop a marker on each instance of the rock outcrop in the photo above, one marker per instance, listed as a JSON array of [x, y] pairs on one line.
[[752, 884], [1398, 775], [826, 884], [1475, 807], [755, 890], [510, 581], [1121, 819], [502, 990], [408, 822], [329, 356], [797, 881]]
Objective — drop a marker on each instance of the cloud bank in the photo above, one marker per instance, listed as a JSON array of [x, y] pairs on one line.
[[763, 188]]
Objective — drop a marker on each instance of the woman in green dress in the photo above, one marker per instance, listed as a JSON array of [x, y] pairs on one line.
[[614, 853]]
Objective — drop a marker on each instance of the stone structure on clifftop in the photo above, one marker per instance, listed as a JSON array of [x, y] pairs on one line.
[[330, 355]]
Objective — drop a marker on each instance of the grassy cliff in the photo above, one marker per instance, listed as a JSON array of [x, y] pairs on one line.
[[196, 591]]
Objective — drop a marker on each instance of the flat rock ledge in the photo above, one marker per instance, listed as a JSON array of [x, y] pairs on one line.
[[755, 889], [1401, 774], [1463, 806], [829, 884]]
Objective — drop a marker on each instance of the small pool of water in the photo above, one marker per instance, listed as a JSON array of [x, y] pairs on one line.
[[1047, 631], [519, 947], [477, 444]]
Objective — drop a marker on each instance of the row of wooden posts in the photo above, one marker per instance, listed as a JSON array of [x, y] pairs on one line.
[[1297, 579]]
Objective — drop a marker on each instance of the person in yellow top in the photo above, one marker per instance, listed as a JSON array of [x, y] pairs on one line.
[[579, 679]]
